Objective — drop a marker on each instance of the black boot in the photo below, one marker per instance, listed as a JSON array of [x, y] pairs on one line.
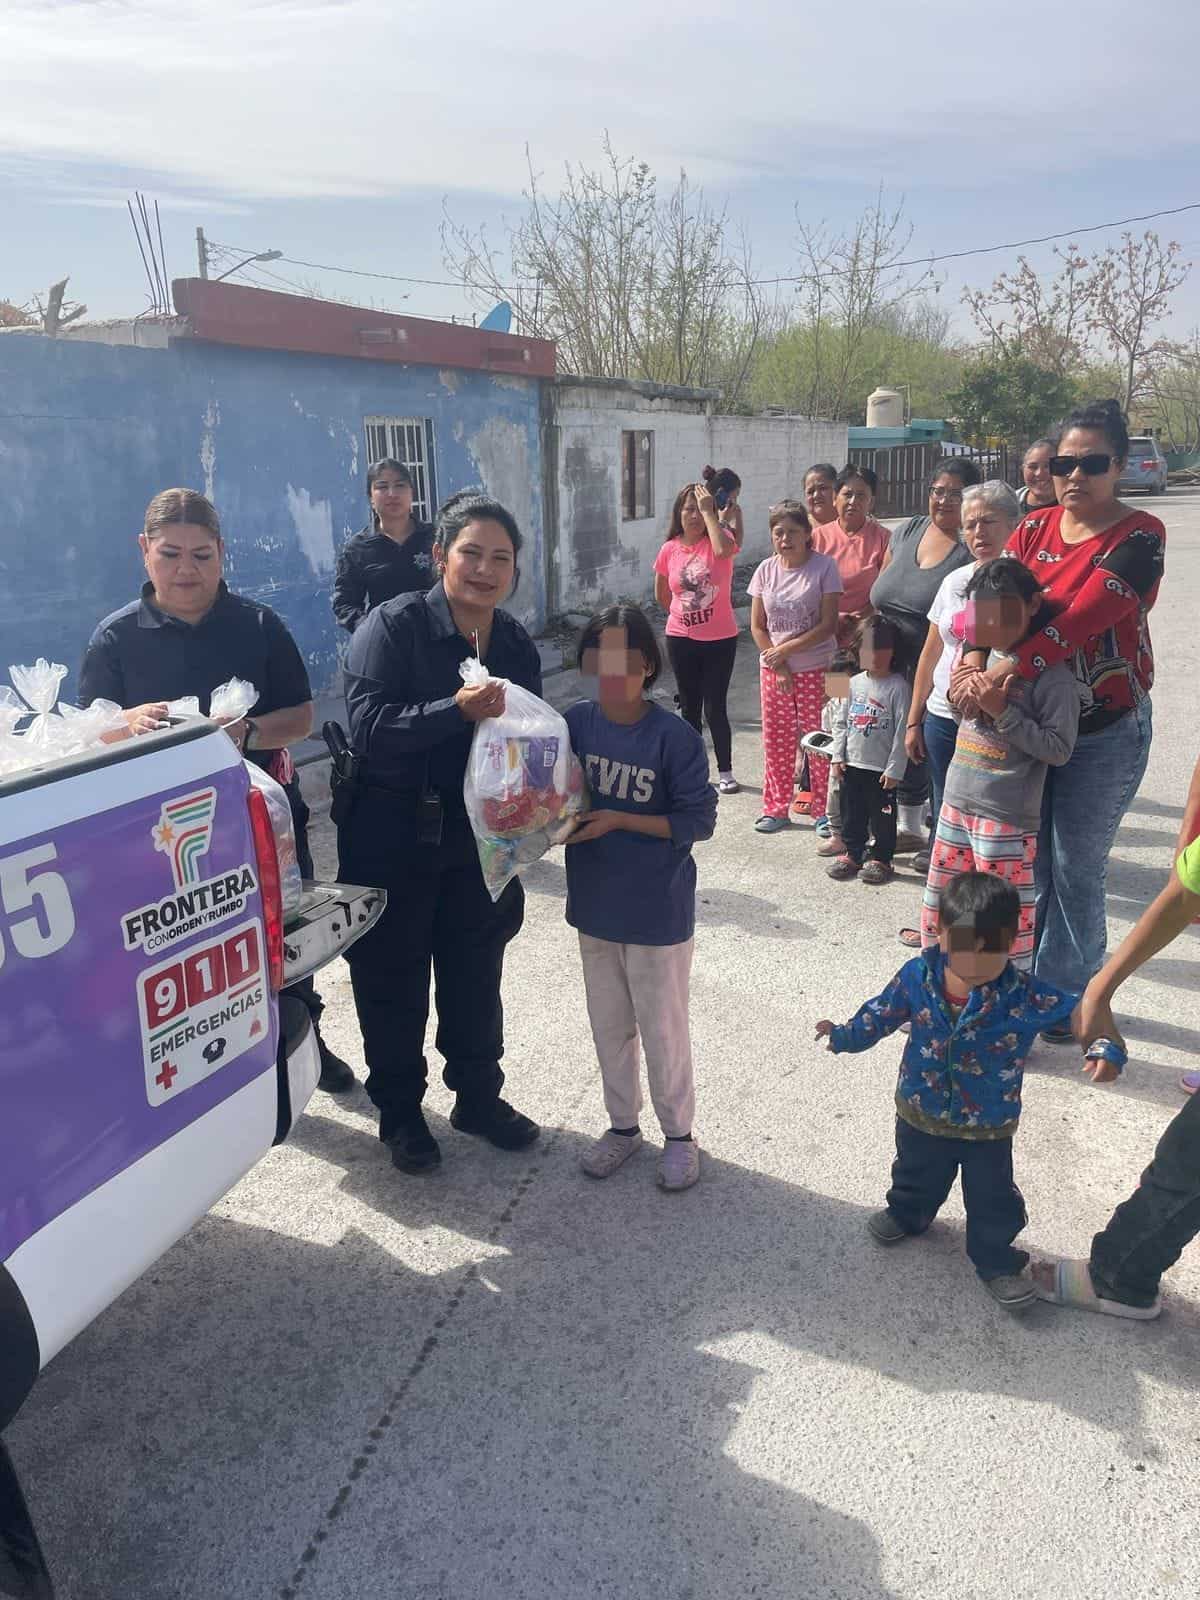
[[413, 1147], [496, 1121], [336, 1077]]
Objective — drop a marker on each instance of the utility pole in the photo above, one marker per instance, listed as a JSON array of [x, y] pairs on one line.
[[202, 252]]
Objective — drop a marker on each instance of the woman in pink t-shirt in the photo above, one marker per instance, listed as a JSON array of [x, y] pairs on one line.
[[693, 577], [857, 543], [794, 616]]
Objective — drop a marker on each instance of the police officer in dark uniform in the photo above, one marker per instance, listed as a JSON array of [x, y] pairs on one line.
[[392, 555], [402, 824], [187, 634]]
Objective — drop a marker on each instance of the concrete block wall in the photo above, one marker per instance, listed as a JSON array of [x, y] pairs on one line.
[[599, 557], [89, 432]]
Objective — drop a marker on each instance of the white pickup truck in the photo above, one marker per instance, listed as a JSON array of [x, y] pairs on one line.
[[148, 1056]]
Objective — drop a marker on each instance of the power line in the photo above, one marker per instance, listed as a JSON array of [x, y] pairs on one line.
[[991, 249], [802, 277]]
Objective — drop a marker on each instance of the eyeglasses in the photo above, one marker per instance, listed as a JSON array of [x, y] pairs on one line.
[[954, 496], [1090, 466]]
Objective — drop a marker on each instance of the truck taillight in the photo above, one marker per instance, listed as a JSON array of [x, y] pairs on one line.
[[1149, 466], [268, 880]]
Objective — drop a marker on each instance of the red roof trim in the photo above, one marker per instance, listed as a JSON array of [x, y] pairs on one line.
[[260, 319]]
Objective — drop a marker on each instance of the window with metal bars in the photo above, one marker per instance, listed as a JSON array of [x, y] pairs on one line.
[[410, 441], [637, 475]]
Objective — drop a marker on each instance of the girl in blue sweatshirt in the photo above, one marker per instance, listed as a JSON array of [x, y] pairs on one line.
[[631, 889]]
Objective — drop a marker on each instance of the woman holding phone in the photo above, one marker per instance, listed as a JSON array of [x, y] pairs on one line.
[[693, 580]]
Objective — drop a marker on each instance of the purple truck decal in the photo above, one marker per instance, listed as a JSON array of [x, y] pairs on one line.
[[133, 990]]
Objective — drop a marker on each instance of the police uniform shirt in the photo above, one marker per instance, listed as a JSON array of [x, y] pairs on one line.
[[401, 679], [373, 568], [140, 654]]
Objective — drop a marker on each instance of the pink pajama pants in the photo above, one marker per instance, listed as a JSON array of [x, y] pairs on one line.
[[788, 712], [966, 843]]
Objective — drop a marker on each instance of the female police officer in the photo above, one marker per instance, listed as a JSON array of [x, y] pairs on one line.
[[405, 828], [187, 634]]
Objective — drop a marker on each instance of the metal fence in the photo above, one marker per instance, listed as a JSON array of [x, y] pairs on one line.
[[904, 472]]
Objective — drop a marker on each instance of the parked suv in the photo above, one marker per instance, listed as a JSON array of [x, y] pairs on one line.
[[1146, 468]]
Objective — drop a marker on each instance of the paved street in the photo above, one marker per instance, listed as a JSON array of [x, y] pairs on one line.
[[507, 1381]]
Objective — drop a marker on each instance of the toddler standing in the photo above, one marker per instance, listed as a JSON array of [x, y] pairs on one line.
[[868, 756], [973, 1019], [631, 889]]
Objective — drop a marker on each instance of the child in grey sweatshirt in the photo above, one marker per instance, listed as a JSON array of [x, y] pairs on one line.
[[868, 758], [992, 803]]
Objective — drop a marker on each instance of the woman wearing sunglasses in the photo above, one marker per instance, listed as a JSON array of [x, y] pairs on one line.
[[1100, 564]]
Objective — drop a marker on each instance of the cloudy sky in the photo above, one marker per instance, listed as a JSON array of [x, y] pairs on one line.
[[334, 130]]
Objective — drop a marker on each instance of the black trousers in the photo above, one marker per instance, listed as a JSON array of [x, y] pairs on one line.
[[923, 1174], [703, 669], [306, 990], [868, 809], [439, 918], [1147, 1233]]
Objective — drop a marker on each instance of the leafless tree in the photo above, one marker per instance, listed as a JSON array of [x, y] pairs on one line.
[[1045, 319], [1130, 288], [627, 283], [56, 312], [851, 282]]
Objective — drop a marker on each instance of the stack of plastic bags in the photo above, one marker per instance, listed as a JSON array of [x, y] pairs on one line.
[[48, 734], [51, 730], [523, 785]]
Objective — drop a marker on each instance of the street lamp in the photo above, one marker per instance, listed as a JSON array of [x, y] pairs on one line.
[[265, 255]]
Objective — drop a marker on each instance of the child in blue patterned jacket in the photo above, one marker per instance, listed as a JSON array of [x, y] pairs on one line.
[[973, 1018]]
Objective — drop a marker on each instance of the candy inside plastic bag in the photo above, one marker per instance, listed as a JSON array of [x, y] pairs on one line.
[[38, 686], [89, 724], [523, 782], [231, 701], [11, 710]]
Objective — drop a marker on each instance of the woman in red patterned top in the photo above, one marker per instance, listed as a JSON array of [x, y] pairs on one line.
[[1100, 564]]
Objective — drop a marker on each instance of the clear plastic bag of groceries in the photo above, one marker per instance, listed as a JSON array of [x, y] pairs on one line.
[[290, 883], [523, 784]]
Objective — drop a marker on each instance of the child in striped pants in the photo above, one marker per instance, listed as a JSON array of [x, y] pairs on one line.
[[1007, 737]]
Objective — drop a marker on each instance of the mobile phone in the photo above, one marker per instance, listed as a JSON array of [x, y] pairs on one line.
[[721, 499]]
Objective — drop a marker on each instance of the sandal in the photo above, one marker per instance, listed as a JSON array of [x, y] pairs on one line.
[[910, 938], [1069, 1283]]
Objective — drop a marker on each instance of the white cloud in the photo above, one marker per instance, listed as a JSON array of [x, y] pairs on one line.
[[323, 98]]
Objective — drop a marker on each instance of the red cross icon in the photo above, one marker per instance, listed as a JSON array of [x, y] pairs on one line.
[[167, 1074]]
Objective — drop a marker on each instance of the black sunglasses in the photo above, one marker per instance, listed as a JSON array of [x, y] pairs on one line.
[[1092, 466]]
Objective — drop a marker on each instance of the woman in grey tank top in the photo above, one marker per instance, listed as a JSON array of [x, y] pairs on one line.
[[922, 552]]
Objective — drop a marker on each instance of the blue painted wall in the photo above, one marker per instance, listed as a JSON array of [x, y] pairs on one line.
[[89, 432]]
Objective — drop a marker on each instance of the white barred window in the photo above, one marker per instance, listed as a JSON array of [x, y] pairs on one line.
[[410, 441]]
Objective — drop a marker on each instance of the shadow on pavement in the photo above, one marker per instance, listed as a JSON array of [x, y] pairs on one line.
[[353, 1424]]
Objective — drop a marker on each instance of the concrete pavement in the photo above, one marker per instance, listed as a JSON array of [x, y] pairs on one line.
[[506, 1380]]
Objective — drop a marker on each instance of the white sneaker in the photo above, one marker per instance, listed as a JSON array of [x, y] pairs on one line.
[[610, 1151], [680, 1164]]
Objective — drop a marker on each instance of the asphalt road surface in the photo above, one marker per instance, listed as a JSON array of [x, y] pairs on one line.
[[506, 1380]]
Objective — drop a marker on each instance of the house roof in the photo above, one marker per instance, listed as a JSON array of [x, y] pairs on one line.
[[260, 319]]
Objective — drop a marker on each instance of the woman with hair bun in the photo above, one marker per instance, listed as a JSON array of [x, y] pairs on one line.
[[392, 555], [1100, 564], [411, 724]]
